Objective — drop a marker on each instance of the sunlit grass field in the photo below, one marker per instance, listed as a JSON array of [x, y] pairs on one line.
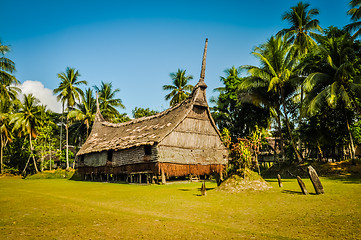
[[66, 209]]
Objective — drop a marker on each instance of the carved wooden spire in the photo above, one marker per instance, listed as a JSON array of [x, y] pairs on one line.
[[98, 115], [201, 82]]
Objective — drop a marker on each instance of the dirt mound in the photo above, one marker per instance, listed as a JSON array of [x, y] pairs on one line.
[[251, 181]]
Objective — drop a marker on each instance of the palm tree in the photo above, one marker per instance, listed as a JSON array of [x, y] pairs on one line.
[[180, 89], [69, 93], [355, 13], [278, 74], [337, 82], [107, 101], [302, 26], [235, 110], [27, 120], [5, 129], [7, 81], [85, 111]]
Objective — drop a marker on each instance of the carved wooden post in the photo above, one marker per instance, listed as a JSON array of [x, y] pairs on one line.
[[279, 180], [315, 180], [140, 178], [203, 189], [302, 185], [163, 176]]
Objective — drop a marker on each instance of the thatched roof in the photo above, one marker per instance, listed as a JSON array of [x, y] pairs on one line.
[[147, 130], [141, 131]]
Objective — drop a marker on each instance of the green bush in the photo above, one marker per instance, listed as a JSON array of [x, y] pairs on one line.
[[53, 174]]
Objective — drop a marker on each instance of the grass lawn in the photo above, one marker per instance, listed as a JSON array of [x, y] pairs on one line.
[[65, 209]]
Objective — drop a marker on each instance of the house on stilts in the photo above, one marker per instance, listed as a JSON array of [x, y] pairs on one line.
[[179, 141]]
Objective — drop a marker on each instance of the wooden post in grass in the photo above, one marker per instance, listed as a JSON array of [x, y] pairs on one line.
[[203, 189], [163, 176], [279, 180], [302, 185], [315, 180]]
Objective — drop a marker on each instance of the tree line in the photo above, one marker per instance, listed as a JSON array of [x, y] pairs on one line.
[[306, 89], [305, 93]]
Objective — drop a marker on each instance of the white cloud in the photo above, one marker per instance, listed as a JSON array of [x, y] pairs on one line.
[[45, 95]]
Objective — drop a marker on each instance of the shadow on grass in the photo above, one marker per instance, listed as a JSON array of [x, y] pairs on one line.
[[347, 179], [295, 192], [187, 190], [184, 189], [283, 180]]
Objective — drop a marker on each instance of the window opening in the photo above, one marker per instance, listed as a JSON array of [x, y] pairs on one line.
[[148, 150], [110, 155]]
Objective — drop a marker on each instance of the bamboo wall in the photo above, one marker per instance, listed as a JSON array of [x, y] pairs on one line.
[[133, 156], [193, 141], [95, 159]]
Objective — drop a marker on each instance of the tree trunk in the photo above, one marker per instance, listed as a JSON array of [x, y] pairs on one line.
[[67, 145], [26, 165], [289, 127], [1, 154], [50, 155], [281, 143], [351, 141], [320, 151], [61, 126], [32, 155], [299, 122]]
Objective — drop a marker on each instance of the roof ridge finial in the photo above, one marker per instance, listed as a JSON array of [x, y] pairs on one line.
[[203, 70], [97, 100], [98, 114]]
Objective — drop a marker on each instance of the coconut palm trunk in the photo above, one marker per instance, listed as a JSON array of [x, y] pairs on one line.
[[289, 127], [61, 126], [1, 154], [351, 141], [281, 142], [31, 152], [67, 144], [50, 155]]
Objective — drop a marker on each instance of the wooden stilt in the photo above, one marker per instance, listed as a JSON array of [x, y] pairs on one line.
[[163, 176]]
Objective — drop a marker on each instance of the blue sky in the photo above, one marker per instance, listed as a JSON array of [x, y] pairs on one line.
[[136, 44]]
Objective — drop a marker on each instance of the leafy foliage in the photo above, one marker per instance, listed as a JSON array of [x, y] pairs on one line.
[[107, 101], [139, 112], [180, 89]]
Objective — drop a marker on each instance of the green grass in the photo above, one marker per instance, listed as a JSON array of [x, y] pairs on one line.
[[65, 209]]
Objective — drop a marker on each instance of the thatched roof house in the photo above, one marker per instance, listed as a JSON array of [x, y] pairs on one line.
[[179, 141]]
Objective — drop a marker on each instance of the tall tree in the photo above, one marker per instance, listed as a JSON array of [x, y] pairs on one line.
[[336, 83], [85, 111], [5, 129], [8, 90], [303, 26], [139, 112], [26, 121], [278, 73], [355, 13], [8, 94], [69, 93], [232, 109], [180, 89], [108, 101]]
